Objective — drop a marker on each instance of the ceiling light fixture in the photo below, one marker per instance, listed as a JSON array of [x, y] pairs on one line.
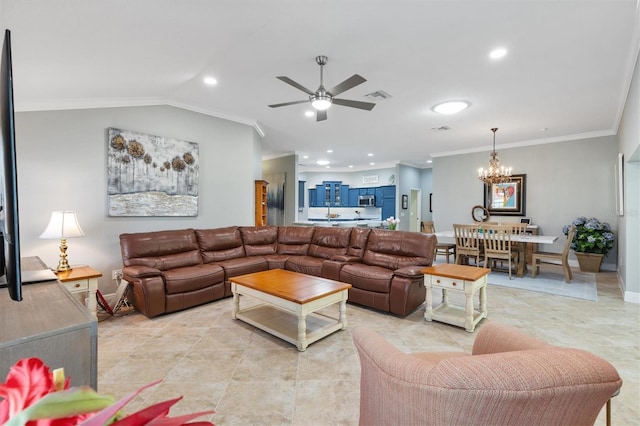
[[322, 162], [452, 107], [495, 173], [210, 81], [498, 53], [309, 113], [320, 102]]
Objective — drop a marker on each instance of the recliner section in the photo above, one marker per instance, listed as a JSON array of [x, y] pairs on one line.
[[178, 269]]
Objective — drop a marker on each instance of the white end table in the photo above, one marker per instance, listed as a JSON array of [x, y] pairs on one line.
[[82, 279], [459, 278]]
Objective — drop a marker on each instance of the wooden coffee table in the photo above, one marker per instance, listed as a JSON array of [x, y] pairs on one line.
[[290, 304]]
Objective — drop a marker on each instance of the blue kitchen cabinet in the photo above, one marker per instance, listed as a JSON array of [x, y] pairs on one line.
[[344, 196], [387, 196], [313, 197], [354, 194], [378, 194]]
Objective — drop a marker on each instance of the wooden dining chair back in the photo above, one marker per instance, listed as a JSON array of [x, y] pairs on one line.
[[560, 259], [497, 245], [519, 228], [468, 243], [443, 249]]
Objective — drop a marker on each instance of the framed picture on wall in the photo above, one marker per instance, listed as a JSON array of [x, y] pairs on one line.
[[506, 199]]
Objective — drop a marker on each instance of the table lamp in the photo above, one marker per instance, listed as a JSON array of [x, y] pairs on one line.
[[63, 225]]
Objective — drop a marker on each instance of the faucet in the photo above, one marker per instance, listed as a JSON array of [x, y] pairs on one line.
[[328, 212]]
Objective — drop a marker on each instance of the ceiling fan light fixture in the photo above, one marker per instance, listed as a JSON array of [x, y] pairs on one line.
[[452, 107], [320, 102]]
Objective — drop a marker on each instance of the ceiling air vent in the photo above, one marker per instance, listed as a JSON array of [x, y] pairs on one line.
[[441, 128], [378, 95]]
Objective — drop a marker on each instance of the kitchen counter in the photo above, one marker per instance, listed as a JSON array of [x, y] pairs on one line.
[[368, 223]]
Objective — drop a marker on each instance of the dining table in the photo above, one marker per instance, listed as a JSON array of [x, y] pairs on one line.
[[521, 239]]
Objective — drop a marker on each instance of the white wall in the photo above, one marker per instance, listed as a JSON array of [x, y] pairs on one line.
[[62, 166], [564, 180], [629, 224]]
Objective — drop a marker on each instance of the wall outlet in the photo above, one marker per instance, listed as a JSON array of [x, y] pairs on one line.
[[116, 274]]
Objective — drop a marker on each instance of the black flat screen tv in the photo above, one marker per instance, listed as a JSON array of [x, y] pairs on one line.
[[10, 274]]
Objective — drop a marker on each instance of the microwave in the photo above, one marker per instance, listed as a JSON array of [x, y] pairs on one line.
[[367, 201]]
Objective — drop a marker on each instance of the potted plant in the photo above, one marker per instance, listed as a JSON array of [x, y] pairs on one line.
[[392, 223], [591, 242]]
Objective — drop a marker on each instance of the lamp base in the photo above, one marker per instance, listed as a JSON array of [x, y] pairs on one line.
[[63, 264]]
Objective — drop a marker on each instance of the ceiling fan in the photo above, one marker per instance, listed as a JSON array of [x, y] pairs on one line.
[[322, 99]]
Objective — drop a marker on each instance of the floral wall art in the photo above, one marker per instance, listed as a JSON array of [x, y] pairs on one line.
[[151, 175]]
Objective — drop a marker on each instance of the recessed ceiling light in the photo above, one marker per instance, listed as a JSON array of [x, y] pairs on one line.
[[322, 162], [308, 113], [451, 107], [305, 156], [372, 164], [327, 167], [210, 81], [351, 166], [429, 161], [370, 154], [498, 53], [329, 151]]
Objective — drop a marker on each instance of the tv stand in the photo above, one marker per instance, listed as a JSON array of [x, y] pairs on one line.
[[50, 324]]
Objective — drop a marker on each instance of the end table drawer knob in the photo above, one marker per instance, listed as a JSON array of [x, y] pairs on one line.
[[454, 284], [77, 285]]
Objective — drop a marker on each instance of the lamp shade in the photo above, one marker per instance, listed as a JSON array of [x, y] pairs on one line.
[[63, 224]]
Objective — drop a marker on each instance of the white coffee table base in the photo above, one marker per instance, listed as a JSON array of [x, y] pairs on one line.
[[292, 322]]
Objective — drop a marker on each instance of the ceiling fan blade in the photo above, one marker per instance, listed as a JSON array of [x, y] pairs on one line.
[[349, 83], [288, 103], [296, 85], [354, 104], [321, 115]]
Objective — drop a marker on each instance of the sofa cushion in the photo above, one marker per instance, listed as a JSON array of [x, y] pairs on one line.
[[397, 249], [294, 240], [259, 240], [243, 265], [191, 278], [329, 242], [305, 265], [162, 250], [367, 277], [220, 244]]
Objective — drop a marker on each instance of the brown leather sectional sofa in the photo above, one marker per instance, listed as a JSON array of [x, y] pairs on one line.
[[178, 269]]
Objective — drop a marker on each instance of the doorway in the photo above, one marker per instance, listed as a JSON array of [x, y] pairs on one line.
[[415, 208]]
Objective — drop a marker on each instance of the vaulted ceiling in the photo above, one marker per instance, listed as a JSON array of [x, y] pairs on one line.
[[565, 75]]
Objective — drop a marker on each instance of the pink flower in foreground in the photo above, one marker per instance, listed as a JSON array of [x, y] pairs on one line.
[[32, 396]]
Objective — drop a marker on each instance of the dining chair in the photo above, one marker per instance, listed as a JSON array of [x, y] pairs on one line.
[[444, 249], [468, 243], [553, 258], [519, 229], [497, 245]]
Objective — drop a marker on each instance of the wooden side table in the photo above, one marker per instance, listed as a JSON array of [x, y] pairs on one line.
[[82, 279], [460, 278]]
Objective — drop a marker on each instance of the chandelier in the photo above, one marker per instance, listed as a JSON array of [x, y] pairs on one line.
[[495, 173]]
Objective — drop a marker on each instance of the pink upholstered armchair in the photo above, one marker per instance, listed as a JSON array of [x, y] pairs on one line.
[[510, 379]]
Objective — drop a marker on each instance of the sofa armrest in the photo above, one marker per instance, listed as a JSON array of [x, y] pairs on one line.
[[494, 337], [410, 271], [139, 271]]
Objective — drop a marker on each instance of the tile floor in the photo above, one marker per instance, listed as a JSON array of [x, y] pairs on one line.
[[249, 377]]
